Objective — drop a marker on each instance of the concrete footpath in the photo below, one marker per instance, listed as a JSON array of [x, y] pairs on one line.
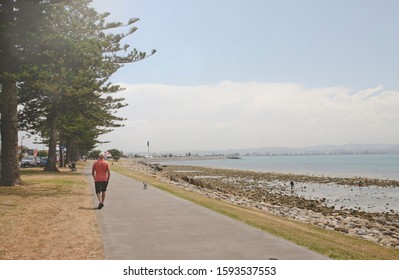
[[151, 224]]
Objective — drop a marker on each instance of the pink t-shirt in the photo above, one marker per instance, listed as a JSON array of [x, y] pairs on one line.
[[101, 169]]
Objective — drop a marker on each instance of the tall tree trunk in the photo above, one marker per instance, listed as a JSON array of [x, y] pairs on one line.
[[68, 150], [9, 134], [78, 154], [8, 99], [72, 150], [52, 148], [63, 160]]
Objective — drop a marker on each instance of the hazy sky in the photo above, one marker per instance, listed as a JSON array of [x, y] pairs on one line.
[[258, 73]]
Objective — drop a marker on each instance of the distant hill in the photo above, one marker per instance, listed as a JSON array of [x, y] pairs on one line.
[[309, 150], [323, 149]]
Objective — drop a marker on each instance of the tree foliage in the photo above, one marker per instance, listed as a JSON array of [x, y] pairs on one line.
[[67, 97], [94, 154], [18, 20], [59, 55], [116, 154]]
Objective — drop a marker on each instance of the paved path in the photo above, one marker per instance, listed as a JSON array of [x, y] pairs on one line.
[[151, 224]]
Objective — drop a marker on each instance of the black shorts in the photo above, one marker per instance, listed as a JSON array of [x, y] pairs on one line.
[[101, 186]]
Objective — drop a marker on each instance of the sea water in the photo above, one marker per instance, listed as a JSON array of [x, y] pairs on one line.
[[381, 166], [369, 199]]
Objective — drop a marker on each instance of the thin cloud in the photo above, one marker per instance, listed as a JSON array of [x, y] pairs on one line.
[[240, 115]]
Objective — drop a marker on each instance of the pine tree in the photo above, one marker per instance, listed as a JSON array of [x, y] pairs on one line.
[[65, 98]]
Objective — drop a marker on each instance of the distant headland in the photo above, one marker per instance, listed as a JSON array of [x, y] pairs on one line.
[[270, 151]]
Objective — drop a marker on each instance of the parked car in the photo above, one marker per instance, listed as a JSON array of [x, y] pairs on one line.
[[29, 161], [42, 161]]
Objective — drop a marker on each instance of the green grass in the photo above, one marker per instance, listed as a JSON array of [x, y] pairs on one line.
[[330, 243]]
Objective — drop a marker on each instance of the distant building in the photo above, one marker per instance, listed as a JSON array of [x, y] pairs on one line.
[[107, 155]]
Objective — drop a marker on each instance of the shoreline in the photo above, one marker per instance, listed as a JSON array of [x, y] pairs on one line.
[[242, 188], [271, 166]]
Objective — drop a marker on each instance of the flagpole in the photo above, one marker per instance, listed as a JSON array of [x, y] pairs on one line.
[[148, 153]]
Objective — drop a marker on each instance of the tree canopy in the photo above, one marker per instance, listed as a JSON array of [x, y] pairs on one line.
[[116, 154], [62, 64]]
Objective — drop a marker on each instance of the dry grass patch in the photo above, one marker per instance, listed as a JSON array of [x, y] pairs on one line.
[[50, 216]]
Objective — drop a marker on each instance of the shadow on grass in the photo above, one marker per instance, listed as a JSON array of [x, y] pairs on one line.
[[39, 183], [42, 192], [40, 171], [8, 205], [87, 208]]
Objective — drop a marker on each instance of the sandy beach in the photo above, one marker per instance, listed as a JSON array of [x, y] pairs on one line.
[[274, 193]]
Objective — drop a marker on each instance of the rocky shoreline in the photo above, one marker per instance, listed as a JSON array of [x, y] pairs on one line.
[[281, 194]]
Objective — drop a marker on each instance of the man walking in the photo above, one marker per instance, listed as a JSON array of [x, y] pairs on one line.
[[101, 174]]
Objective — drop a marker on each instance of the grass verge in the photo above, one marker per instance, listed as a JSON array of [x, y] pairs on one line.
[[50, 216], [326, 242]]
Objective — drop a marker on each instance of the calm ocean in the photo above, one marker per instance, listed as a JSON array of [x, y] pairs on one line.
[[371, 199], [382, 166]]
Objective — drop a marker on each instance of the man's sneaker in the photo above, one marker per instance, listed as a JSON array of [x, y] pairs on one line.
[[101, 205]]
